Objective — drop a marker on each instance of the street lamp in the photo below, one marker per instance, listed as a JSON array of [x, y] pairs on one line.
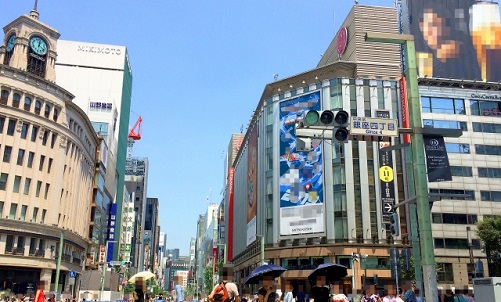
[[103, 273]]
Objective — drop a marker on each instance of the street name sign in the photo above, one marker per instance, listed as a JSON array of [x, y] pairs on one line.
[[373, 126]]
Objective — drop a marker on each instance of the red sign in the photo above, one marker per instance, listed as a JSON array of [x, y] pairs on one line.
[[342, 40], [214, 255], [102, 254], [404, 108]]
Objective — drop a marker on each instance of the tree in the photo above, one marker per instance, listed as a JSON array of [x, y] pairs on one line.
[[489, 232], [208, 279]]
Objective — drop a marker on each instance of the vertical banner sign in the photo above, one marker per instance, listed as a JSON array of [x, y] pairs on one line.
[[387, 181], [437, 160], [404, 108]]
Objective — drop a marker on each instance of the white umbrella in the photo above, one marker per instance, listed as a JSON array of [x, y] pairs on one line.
[[141, 275]]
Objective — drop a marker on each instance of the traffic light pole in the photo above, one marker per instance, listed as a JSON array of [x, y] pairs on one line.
[[418, 160]]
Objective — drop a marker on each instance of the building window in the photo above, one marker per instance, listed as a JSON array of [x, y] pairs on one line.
[[34, 133], [47, 110], [487, 127], [443, 124], [55, 115], [49, 166], [37, 191], [17, 183], [451, 218], [31, 155], [27, 184], [1, 208], [490, 195], [11, 127], [35, 214], [16, 99], [470, 193], [7, 151], [457, 148], [3, 181], [38, 107], [45, 137], [24, 130], [46, 194], [13, 210], [27, 104], [20, 157], [485, 108], [442, 105], [489, 172], [461, 171], [53, 140], [488, 149], [22, 215], [42, 161], [2, 123], [4, 97], [445, 273], [42, 219]]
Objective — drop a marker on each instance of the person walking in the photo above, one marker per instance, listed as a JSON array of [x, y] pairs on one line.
[[228, 284], [320, 291]]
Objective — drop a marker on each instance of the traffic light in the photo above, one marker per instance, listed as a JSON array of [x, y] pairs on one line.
[[394, 224], [303, 144], [339, 120]]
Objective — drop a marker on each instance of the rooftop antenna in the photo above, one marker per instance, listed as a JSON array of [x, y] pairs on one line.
[[275, 77], [34, 13]]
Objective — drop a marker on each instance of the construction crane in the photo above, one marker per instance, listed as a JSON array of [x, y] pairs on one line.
[[134, 135]]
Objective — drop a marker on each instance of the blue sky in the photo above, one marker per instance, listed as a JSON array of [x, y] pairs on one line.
[[199, 69]]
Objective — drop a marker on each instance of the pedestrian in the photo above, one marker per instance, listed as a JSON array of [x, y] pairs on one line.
[[228, 284], [366, 297], [449, 296], [320, 291], [338, 296], [267, 292], [287, 296], [409, 295], [300, 294]]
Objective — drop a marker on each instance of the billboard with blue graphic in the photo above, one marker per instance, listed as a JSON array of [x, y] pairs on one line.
[[301, 173]]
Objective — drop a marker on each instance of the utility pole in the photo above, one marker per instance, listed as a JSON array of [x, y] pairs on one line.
[[58, 265], [418, 160]]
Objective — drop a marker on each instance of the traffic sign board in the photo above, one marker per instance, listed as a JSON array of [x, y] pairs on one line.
[[387, 207], [373, 126], [72, 274]]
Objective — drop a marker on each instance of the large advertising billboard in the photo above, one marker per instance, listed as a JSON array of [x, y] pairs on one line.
[[456, 39], [301, 173], [251, 185]]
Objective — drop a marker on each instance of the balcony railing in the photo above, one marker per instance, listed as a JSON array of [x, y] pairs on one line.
[[77, 261], [40, 253], [18, 251], [9, 249], [66, 257], [3, 100], [32, 252]]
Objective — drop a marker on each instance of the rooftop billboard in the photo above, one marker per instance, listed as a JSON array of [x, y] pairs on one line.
[[455, 39]]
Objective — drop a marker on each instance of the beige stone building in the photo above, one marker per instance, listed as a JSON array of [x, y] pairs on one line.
[[48, 151]]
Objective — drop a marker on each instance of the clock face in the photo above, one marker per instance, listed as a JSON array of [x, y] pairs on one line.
[[38, 45], [11, 42]]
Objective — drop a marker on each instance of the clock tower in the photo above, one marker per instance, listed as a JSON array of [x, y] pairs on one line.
[[30, 45]]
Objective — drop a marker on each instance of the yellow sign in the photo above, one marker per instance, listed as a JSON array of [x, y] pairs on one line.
[[386, 173]]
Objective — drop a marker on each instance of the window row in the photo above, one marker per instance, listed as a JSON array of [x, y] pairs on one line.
[[479, 149], [457, 106], [453, 218], [477, 127], [456, 243], [26, 185], [13, 213], [27, 131], [30, 158], [482, 172], [30, 103]]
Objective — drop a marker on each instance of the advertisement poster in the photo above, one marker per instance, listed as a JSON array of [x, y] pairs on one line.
[[456, 39], [437, 161], [251, 185], [301, 173]]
